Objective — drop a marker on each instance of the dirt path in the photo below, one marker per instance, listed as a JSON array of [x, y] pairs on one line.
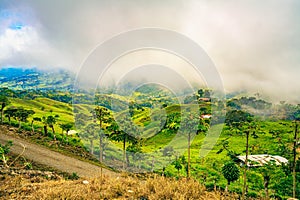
[[42, 155]]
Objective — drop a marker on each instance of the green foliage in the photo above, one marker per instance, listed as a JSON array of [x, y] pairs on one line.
[[250, 102], [230, 172], [3, 102], [177, 164], [28, 165], [66, 126], [237, 118], [275, 139], [4, 150], [73, 176]]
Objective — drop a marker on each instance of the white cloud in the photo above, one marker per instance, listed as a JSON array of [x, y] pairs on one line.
[[16, 41], [255, 44]]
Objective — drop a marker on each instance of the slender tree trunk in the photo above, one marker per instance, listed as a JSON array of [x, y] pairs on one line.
[[32, 128], [266, 184], [100, 148], [152, 164], [100, 139], [45, 130], [124, 152], [246, 165], [91, 146], [53, 131], [215, 185], [139, 163], [295, 159], [227, 185], [19, 124], [189, 155]]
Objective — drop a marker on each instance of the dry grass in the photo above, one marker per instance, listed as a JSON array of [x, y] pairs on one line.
[[123, 187]]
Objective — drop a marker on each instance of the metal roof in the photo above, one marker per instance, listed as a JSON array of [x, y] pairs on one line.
[[260, 160]]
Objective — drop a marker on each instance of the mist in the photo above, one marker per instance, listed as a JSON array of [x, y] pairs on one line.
[[255, 45]]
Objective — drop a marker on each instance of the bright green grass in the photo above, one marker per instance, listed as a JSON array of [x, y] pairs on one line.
[[44, 107]]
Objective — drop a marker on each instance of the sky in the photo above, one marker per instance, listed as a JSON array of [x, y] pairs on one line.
[[254, 44]]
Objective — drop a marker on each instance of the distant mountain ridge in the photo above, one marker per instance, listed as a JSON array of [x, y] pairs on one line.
[[36, 79]]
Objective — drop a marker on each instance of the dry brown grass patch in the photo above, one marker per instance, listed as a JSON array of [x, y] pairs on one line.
[[123, 187]]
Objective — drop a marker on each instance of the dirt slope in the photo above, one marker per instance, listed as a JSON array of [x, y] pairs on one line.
[[42, 155]]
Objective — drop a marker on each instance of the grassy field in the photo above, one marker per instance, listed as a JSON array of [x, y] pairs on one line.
[[206, 157]]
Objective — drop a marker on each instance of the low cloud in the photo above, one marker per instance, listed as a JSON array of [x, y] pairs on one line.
[[254, 44]]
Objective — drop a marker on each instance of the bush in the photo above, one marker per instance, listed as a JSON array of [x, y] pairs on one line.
[[252, 194], [209, 186], [73, 176]]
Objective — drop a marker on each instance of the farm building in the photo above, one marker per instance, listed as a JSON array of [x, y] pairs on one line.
[[262, 159]]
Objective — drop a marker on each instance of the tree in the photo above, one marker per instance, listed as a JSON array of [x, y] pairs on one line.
[[235, 119], [51, 121], [230, 172], [22, 115], [45, 125], [136, 151], [3, 102], [80, 120], [190, 126], [295, 146], [91, 133], [201, 92], [243, 122], [37, 119], [267, 171], [103, 115], [10, 113], [123, 134], [66, 127], [178, 164]]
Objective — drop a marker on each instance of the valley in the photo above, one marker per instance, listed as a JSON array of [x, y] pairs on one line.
[[153, 131]]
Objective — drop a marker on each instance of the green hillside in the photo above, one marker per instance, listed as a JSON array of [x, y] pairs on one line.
[[158, 119]]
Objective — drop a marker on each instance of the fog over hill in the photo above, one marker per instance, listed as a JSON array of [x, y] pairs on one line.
[[254, 44]]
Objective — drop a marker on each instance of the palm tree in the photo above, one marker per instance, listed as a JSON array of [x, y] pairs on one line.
[[124, 136], [242, 122], [190, 125], [103, 115]]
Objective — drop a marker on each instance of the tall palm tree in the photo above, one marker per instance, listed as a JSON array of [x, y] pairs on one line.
[[101, 114], [124, 133]]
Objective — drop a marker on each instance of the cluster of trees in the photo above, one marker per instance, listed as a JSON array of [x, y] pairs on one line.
[[22, 115], [242, 123], [248, 101], [100, 125], [65, 97]]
